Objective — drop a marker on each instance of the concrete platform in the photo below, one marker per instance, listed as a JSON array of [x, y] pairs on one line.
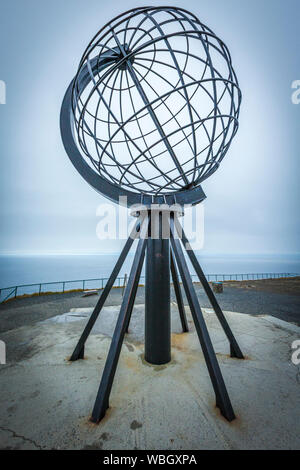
[[46, 401]]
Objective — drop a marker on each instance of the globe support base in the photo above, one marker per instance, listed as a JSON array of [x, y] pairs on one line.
[[170, 258]]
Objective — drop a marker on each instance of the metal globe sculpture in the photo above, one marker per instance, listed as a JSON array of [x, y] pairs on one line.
[[154, 105], [149, 115]]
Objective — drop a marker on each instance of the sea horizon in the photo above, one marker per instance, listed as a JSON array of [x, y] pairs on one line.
[[34, 268]]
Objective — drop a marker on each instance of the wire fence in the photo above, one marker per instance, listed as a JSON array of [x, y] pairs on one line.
[[43, 288]]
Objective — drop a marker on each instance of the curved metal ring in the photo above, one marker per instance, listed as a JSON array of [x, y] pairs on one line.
[[100, 184]]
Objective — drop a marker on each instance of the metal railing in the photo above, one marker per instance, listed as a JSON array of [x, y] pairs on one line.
[[43, 288]]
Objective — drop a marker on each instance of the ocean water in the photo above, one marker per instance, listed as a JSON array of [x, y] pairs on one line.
[[31, 269]]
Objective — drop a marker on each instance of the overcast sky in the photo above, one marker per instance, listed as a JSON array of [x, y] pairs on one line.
[[252, 201]]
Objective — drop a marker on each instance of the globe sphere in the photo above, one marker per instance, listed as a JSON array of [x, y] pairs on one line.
[[155, 101]]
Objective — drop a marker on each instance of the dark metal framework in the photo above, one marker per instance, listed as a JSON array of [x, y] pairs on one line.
[[150, 115], [153, 107], [157, 321]]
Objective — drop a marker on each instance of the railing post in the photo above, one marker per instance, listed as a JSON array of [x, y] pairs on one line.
[[124, 283], [63, 287], [16, 291], [83, 284], [40, 288]]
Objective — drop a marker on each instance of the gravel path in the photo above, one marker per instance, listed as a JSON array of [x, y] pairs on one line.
[[280, 299]]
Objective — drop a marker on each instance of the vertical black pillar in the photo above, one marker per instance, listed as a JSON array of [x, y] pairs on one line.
[[157, 295]]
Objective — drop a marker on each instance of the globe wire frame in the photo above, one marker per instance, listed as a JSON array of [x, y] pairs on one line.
[[112, 190]]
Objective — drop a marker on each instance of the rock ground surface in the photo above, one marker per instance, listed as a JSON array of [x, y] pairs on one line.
[[46, 401]]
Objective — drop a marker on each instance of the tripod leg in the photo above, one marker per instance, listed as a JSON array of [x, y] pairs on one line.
[[234, 347], [78, 352], [102, 399], [178, 294], [133, 297], [222, 398]]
